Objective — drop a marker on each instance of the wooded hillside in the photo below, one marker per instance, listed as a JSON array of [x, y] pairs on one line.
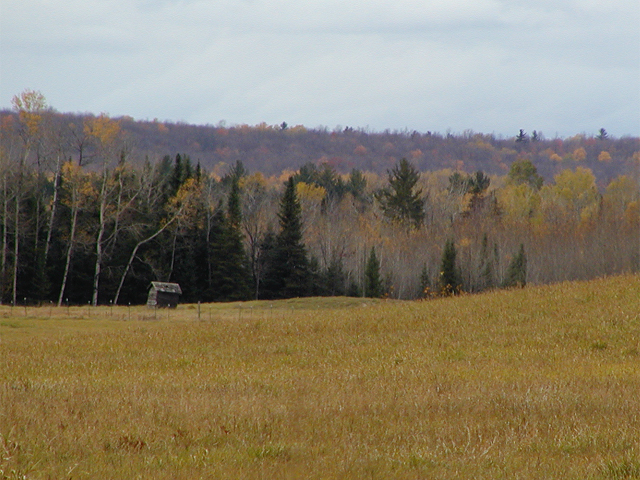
[[93, 208]]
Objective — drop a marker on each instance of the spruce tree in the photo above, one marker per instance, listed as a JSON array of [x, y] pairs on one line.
[[289, 274], [517, 270], [237, 268], [450, 282], [425, 282], [485, 265], [372, 281], [401, 201]]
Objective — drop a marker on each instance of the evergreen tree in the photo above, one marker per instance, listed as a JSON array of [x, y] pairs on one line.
[[602, 134], [357, 183], [236, 173], [485, 265], [525, 172], [425, 282], [521, 137], [264, 260], [372, 281], [401, 201], [236, 268], [450, 282], [517, 270], [333, 279], [289, 274], [177, 176]]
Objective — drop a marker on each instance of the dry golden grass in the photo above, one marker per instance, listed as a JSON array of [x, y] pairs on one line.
[[536, 383]]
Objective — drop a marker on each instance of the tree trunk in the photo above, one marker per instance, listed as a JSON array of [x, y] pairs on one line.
[[54, 206], [67, 264], [133, 256], [16, 250], [5, 239], [99, 240]]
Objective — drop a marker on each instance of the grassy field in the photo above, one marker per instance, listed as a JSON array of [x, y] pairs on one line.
[[537, 383]]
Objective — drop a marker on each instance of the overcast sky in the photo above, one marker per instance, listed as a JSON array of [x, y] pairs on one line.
[[560, 67]]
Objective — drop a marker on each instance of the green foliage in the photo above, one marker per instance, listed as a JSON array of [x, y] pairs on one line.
[[289, 274], [485, 266], [450, 282], [461, 184], [182, 171], [401, 201], [602, 134], [372, 280], [357, 183], [325, 177], [235, 174], [425, 282], [517, 271], [524, 172]]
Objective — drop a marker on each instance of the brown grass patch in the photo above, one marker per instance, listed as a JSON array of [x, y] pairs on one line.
[[542, 382]]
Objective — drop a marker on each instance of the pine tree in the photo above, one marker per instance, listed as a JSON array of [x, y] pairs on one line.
[[401, 201], [517, 270], [289, 274], [450, 282], [372, 280]]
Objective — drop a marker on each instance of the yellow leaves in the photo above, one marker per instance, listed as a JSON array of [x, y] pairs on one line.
[[310, 198], [360, 150], [579, 154], [576, 184], [415, 154], [632, 213], [555, 157], [518, 202], [309, 192], [78, 183], [29, 105], [187, 202], [255, 181], [604, 157], [465, 243], [574, 195], [103, 128], [620, 196]]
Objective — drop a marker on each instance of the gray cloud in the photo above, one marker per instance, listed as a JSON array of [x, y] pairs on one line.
[[494, 66]]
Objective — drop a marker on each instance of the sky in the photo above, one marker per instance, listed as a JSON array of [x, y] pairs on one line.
[[560, 67]]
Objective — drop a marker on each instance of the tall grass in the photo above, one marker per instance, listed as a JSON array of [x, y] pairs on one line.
[[542, 382]]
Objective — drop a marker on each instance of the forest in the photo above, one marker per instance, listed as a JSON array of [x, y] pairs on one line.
[[94, 208]]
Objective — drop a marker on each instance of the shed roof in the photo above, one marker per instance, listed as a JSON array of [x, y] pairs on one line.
[[167, 287]]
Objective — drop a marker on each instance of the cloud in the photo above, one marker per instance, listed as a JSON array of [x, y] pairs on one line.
[[488, 65]]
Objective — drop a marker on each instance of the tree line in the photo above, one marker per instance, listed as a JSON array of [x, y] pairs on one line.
[[83, 219]]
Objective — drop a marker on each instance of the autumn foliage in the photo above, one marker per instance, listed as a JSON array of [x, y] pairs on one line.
[[94, 208]]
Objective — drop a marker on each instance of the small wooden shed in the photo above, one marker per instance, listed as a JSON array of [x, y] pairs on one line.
[[164, 295]]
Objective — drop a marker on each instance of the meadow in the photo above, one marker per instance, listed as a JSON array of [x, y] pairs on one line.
[[535, 383]]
